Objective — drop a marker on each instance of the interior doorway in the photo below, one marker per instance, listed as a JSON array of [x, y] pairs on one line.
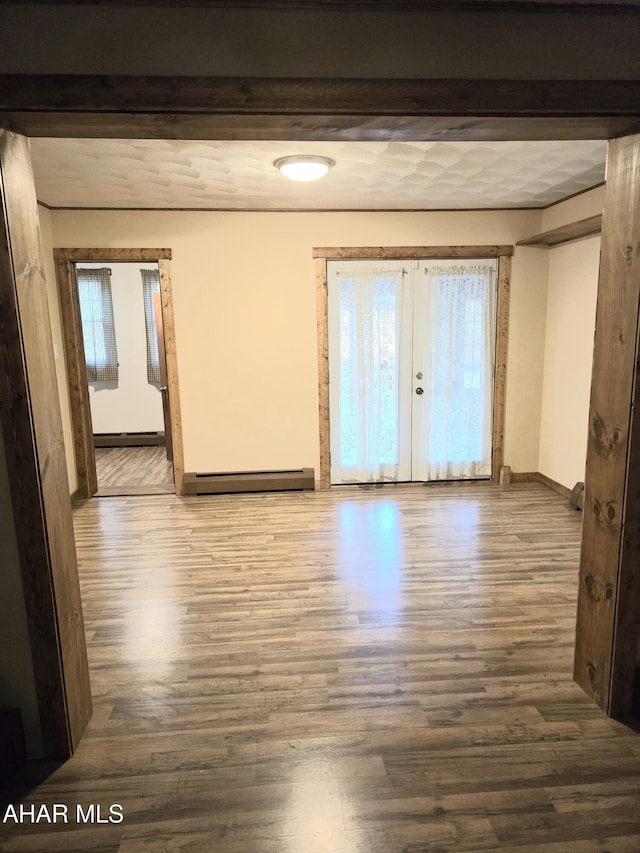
[[130, 455], [411, 366], [126, 369]]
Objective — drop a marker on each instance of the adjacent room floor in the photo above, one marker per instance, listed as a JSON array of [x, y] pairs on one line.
[[338, 672], [133, 471]]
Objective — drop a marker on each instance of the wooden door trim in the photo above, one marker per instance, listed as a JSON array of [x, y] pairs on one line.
[[324, 254], [65, 260], [32, 432]]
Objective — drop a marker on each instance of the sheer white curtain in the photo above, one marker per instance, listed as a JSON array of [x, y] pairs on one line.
[[458, 371], [369, 331]]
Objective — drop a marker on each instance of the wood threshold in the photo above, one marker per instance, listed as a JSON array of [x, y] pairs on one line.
[[565, 234], [134, 490]]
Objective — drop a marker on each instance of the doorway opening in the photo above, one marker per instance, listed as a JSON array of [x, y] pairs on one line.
[[126, 368], [120, 350], [411, 356], [494, 262]]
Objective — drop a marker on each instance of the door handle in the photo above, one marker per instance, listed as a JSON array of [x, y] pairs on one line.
[[419, 391], [164, 389]]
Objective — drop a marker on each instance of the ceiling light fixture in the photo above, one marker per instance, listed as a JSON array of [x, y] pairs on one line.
[[303, 167]]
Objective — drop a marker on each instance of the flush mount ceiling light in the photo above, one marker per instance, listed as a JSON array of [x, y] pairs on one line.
[[304, 167]]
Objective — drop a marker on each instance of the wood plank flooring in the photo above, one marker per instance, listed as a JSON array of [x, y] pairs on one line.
[[126, 471], [384, 671]]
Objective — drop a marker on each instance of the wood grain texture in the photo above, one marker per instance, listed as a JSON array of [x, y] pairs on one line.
[[609, 597], [305, 109], [407, 253], [77, 382], [318, 96], [173, 385], [117, 255], [302, 127], [32, 427], [122, 467], [322, 321], [164, 379], [377, 671], [565, 233], [500, 360]]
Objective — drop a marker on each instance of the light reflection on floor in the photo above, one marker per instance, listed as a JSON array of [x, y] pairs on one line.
[[370, 557], [318, 813]]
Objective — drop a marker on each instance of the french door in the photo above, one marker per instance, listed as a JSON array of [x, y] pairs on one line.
[[411, 355]]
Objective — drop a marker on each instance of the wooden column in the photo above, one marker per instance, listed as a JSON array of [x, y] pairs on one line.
[[608, 625], [32, 429]]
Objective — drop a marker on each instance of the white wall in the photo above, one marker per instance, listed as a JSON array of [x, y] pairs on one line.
[[570, 325], [245, 312], [131, 404]]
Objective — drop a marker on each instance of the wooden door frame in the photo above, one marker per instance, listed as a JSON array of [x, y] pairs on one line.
[[408, 253], [65, 260]]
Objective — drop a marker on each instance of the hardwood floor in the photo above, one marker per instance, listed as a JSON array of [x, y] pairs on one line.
[[126, 471], [338, 672]]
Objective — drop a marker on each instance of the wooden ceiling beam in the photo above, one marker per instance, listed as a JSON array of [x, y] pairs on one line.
[[598, 6], [321, 109]]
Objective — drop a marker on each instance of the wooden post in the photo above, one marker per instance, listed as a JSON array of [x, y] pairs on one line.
[[32, 429], [608, 624]]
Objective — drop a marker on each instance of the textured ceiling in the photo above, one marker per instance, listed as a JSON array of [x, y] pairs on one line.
[[164, 174]]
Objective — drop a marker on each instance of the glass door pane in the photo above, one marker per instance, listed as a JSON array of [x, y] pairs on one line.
[[453, 357], [369, 371]]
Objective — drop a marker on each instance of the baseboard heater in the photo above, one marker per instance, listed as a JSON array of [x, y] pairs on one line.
[[128, 439], [249, 481]]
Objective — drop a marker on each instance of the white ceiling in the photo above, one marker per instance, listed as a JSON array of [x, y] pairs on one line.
[[165, 174]]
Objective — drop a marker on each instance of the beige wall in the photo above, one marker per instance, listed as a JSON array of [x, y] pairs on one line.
[[570, 324], [131, 404], [244, 300]]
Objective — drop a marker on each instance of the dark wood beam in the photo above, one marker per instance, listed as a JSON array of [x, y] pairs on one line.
[[322, 109], [90, 125], [318, 96], [502, 6], [608, 626]]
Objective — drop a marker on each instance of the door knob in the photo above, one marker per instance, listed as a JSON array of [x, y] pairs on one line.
[[419, 390]]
